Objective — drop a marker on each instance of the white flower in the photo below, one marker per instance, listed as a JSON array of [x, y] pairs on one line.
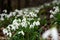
[[46, 34], [16, 26], [34, 23], [21, 32], [37, 11], [8, 27], [31, 12], [55, 11], [24, 24], [35, 15], [20, 13], [25, 12], [10, 14], [16, 20], [24, 19], [14, 13], [52, 12], [37, 23], [54, 33], [9, 34], [16, 10], [51, 16], [31, 26], [19, 20], [26, 9], [2, 16], [5, 11], [5, 31], [30, 19], [12, 27]]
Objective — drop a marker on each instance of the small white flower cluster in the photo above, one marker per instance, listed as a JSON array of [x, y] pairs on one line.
[[54, 12], [24, 22], [7, 32], [34, 24], [56, 2], [52, 32], [24, 12], [10, 27]]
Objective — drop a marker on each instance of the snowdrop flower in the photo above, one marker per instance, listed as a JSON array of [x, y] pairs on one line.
[[52, 12], [14, 13], [37, 11], [34, 23], [25, 12], [37, 23], [9, 34], [21, 32], [12, 27], [31, 13], [24, 24], [55, 11], [19, 20], [16, 26], [35, 15], [51, 16], [15, 22], [5, 31], [31, 26], [16, 10], [24, 19], [2, 16], [26, 9], [5, 11], [20, 13], [30, 19], [54, 33], [8, 27], [11, 13], [46, 34]]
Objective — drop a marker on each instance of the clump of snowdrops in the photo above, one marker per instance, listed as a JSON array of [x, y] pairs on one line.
[[26, 23]]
